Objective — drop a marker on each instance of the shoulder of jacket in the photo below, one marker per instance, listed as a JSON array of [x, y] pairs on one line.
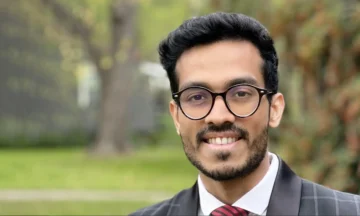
[[155, 209], [320, 191], [161, 208]]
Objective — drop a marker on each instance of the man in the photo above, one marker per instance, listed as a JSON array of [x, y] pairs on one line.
[[223, 74]]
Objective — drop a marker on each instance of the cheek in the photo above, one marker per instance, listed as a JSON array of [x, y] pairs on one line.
[[263, 111], [189, 128], [256, 123]]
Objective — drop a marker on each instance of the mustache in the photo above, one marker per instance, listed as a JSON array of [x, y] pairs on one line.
[[226, 127]]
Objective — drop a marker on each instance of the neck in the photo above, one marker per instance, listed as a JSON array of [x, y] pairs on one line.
[[230, 191]]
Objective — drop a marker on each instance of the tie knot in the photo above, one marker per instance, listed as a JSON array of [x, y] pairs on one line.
[[228, 210]]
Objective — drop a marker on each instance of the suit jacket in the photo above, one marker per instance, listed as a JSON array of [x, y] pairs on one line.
[[291, 195]]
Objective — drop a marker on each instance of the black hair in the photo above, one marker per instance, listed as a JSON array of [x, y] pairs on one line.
[[216, 27]]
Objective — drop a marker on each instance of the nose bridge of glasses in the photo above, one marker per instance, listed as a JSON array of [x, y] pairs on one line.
[[223, 97], [219, 112]]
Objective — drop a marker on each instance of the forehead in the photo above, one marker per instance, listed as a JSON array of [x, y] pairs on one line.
[[218, 64]]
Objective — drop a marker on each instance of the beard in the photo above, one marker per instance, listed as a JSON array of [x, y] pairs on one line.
[[257, 150]]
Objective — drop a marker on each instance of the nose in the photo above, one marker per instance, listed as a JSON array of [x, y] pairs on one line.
[[219, 113]]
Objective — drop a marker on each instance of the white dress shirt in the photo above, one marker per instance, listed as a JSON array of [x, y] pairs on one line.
[[255, 201]]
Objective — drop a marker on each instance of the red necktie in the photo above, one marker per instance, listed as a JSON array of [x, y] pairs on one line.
[[228, 210]]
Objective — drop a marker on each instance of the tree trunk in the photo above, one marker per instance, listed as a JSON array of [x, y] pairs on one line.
[[116, 83], [112, 129]]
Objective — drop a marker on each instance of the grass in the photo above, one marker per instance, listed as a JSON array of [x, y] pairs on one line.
[[162, 169], [69, 208]]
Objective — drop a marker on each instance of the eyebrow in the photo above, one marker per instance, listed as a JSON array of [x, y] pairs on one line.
[[243, 80], [193, 84]]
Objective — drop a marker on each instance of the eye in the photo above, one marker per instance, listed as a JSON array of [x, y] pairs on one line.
[[242, 94], [196, 97]]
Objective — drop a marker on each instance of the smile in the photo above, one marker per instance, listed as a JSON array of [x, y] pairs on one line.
[[221, 140]]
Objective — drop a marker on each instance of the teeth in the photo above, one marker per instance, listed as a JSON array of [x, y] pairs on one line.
[[221, 141]]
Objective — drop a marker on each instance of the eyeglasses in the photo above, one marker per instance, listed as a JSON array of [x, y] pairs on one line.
[[242, 100]]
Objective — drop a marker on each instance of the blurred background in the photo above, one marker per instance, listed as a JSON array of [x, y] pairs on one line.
[[84, 123]]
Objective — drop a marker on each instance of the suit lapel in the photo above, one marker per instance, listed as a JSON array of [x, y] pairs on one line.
[[187, 202], [286, 194]]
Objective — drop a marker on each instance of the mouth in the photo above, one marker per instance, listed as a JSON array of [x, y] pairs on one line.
[[221, 140]]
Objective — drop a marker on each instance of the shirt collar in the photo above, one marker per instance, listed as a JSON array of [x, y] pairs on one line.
[[255, 201]]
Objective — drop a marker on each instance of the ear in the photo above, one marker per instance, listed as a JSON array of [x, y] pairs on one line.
[[175, 115], [276, 109]]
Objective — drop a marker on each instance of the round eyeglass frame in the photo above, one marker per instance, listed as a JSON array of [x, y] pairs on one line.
[[261, 91]]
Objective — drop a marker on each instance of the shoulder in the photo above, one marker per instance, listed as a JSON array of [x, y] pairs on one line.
[[313, 190], [324, 200], [157, 209], [161, 208]]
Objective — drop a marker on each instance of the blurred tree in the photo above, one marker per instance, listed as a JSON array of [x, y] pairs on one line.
[[319, 48], [34, 98], [107, 31], [115, 35]]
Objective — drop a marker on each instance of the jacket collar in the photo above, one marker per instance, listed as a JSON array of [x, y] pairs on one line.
[[286, 194], [187, 202]]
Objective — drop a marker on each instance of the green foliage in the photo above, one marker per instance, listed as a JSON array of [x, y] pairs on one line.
[[150, 14], [320, 52], [96, 14], [156, 19]]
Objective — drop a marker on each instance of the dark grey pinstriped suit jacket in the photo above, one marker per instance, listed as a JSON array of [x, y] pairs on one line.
[[291, 195]]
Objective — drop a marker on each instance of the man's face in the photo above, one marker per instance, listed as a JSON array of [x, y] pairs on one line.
[[216, 67]]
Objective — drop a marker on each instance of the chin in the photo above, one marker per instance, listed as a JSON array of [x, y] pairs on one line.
[[222, 170], [223, 173], [227, 166]]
